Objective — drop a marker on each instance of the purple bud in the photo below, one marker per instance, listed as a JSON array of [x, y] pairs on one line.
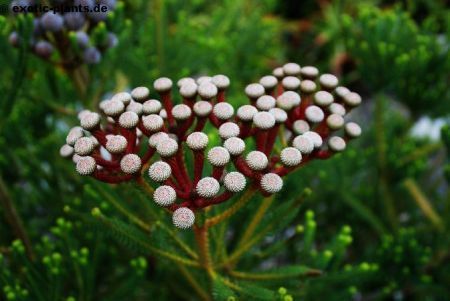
[[98, 16], [92, 56], [82, 39], [14, 39], [74, 20], [112, 40], [52, 22], [43, 49]]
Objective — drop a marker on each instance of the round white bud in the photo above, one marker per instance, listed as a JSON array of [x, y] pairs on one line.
[[204, 80], [157, 138], [308, 86], [84, 146], [151, 106], [280, 115], [314, 114], [234, 145], [167, 147], [352, 129], [246, 112], [140, 94], [124, 97], [228, 130], [288, 100], [278, 72], [197, 141], [309, 72], [188, 90], [164, 195], [291, 83], [336, 108], [265, 103], [264, 120], [336, 144], [202, 108], [135, 107], [116, 144], [90, 121], [128, 120], [291, 69], [315, 138], [114, 108], [335, 121], [291, 156], [268, 81], [352, 99], [341, 91], [181, 112], [183, 218], [162, 84], [66, 151], [152, 122], [130, 163], [207, 90], [304, 144], [218, 156], [185, 80], [221, 81], [328, 81], [323, 98], [234, 181], [82, 113], [257, 160], [300, 127], [159, 171], [271, 183], [207, 187], [223, 110], [86, 165], [163, 113], [74, 134], [254, 90]]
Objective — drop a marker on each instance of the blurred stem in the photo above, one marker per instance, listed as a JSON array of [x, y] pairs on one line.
[[272, 276], [420, 152], [381, 147], [423, 203], [194, 283], [14, 219], [79, 83], [180, 243], [147, 188], [202, 238]]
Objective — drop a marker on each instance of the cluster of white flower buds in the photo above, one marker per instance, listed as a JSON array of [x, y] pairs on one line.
[[294, 116]]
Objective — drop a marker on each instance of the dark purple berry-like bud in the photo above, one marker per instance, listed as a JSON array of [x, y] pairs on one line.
[[112, 40], [82, 39], [43, 49], [74, 20], [100, 15], [52, 22], [14, 39], [111, 4], [92, 56]]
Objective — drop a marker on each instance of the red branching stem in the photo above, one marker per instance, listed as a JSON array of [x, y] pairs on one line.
[[109, 178], [105, 163], [100, 136], [214, 120], [199, 158], [168, 105], [182, 165], [261, 140], [203, 203], [279, 89], [323, 154], [217, 172], [143, 129], [184, 126], [271, 138], [148, 154], [221, 96], [242, 167], [201, 121], [189, 101], [130, 135], [177, 173], [283, 170], [185, 195], [306, 101], [245, 129]]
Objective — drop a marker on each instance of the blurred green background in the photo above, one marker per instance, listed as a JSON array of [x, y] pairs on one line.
[[391, 187]]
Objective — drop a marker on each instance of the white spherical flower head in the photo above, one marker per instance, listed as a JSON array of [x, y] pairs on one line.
[[181, 112], [268, 81], [291, 69], [76, 158], [304, 144], [280, 115], [335, 121], [128, 120], [188, 90], [185, 80], [167, 147], [84, 146], [207, 90], [95, 141], [66, 151], [315, 138], [291, 83], [257, 160], [352, 129], [151, 106], [336, 144], [271, 183], [183, 218], [288, 100], [152, 122], [323, 98], [352, 99], [163, 114], [336, 108], [159, 171], [124, 97], [308, 86], [207, 187], [130, 163], [228, 130], [223, 110], [234, 181], [204, 80], [82, 113], [341, 91], [90, 121], [114, 108], [278, 72], [74, 134], [254, 90], [162, 84], [235, 146], [197, 141], [309, 72], [314, 114], [116, 144], [164, 195], [102, 105], [86, 165], [140, 94], [135, 107], [218, 156], [265, 103], [221, 81], [246, 112], [156, 138], [202, 108], [300, 126], [290, 156], [264, 120], [328, 81]]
